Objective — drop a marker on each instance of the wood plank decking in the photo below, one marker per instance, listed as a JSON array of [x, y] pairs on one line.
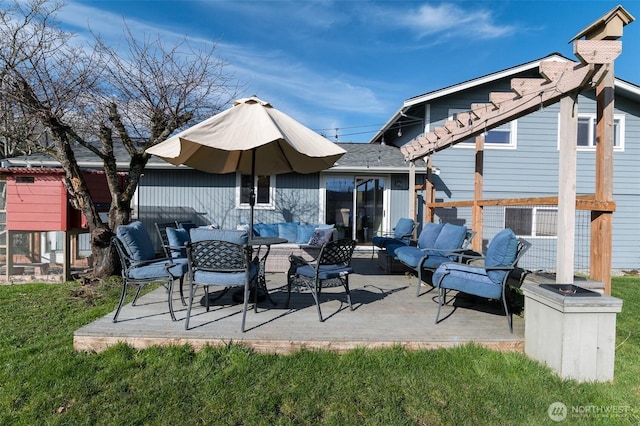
[[386, 312]]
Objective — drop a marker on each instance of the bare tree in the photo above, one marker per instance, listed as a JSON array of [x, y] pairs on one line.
[[102, 98]]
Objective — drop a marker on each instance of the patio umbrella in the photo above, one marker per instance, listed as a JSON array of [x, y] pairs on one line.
[[253, 138]]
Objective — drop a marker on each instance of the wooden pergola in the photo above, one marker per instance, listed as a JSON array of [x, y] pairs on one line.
[[596, 47]]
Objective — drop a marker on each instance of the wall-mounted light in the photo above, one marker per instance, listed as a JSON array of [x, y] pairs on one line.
[[435, 171]]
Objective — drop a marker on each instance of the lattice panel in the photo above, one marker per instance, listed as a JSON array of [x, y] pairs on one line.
[[215, 255], [337, 252]]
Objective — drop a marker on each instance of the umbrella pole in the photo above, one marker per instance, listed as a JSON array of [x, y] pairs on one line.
[[252, 192]]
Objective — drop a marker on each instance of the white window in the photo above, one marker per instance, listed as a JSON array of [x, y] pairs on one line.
[[532, 221], [500, 137], [265, 191], [587, 132]]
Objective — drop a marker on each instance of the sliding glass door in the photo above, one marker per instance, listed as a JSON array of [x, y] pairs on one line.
[[355, 205]]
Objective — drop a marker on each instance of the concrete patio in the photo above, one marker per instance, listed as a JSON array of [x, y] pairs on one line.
[[386, 312]]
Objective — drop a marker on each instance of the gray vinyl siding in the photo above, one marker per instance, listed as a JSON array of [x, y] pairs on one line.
[[399, 198], [531, 170], [206, 199], [211, 199]]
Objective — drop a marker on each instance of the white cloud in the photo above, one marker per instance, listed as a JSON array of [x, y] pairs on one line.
[[447, 20]]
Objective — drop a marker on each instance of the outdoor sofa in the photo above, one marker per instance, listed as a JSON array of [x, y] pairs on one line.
[[304, 240]]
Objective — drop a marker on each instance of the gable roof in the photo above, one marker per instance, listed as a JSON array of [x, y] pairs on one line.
[[360, 157], [623, 87]]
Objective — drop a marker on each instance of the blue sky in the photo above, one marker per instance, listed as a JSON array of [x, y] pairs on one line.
[[349, 65]]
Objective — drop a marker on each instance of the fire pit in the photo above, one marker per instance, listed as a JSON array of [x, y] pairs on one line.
[[570, 290]]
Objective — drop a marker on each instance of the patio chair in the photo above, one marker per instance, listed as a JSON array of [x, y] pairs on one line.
[[220, 258], [488, 280], [400, 236], [139, 266], [174, 239], [332, 264], [437, 243]]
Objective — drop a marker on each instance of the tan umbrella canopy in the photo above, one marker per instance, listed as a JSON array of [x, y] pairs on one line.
[[253, 138]]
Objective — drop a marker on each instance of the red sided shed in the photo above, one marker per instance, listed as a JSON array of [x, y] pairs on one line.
[[37, 201]]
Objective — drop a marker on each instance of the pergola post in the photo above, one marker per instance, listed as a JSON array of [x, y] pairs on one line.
[[567, 189], [476, 212], [412, 185], [602, 222], [429, 194], [608, 28]]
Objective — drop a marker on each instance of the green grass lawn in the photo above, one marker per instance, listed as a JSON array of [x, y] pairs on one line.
[[43, 381]]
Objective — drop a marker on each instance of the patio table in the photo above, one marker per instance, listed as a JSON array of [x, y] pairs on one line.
[[258, 243]]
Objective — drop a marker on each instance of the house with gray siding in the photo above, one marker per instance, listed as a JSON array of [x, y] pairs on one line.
[[364, 193], [521, 161]]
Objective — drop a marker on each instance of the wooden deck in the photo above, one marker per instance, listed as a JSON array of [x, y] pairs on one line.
[[386, 312]]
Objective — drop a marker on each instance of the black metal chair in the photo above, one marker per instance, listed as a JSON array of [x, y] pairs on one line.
[[221, 260], [139, 266], [175, 251], [333, 263]]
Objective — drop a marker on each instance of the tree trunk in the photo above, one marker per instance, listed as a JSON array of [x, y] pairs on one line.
[[104, 259]]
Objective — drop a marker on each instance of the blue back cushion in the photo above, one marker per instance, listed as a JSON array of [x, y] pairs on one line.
[[304, 233], [288, 231], [178, 238], [450, 237], [232, 236], [136, 240], [502, 251], [429, 234], [266, 229], [403, 227]]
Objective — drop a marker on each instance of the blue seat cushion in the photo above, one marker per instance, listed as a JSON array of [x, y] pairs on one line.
[[429, 234], [392, 246], [451, 237], [502, 251], [136, 241], [385, 242], [434, 260], [409, 255], [412, 256], [180, 266], [232, 236], [158, 270], [325, 272], [178, 238], [467, 279], [226, 279], [403, 227]]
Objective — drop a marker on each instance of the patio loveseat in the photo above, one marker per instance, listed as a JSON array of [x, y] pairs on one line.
[[303, 240]]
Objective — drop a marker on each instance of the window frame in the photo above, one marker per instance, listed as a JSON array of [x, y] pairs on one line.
[[620, 132], [271, 205], [510, 127], [534, 220]]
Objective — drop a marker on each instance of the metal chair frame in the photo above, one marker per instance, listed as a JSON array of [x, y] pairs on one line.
[[217, 256], [161, 228], [337, 254], [128, 264], [523, 246]]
